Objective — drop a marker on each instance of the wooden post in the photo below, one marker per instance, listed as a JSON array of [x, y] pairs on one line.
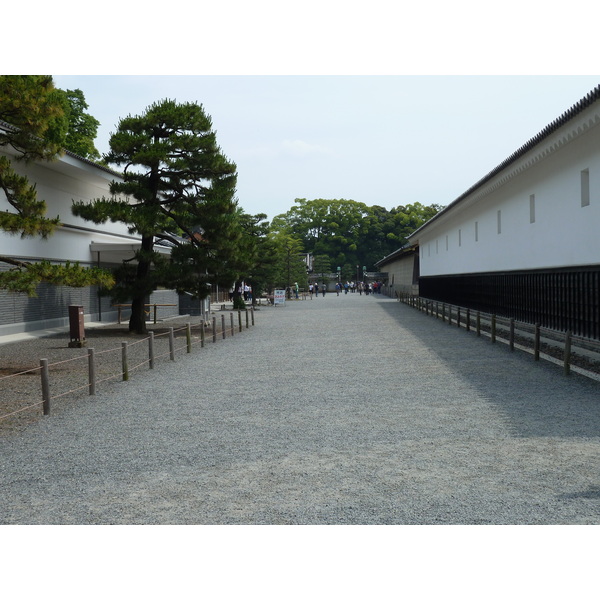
[[214, 329], [478, 324], [202, 334], [437, 310], [171, 344], [232, 327], [247, 327], [458, 317], [443, 312], [493, 329], [468, 319], [512, 335], [151, 350], [45, 386], [124, 361], [449, 314], [92, 371], [155, 314], [567, 353], [240, 320], [252, 313], [536, 342], [188, 337], [223, 324]]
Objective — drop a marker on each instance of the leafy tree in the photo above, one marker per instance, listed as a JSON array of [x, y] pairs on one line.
[[258, 253], [83, 127], [179, 189], [351, 233], [323, 221], [36, 128], [290, 265], [321, 265], [328, 227], [410, 217]]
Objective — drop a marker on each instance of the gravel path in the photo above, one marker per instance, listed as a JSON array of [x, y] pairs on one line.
[[336, 410]]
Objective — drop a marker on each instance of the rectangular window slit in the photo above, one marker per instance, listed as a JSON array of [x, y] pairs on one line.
[[585, 187]]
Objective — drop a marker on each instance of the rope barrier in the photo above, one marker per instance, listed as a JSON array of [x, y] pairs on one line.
[[190, 341], [69, 392], [19, 373], [67, 360], [558, 345], [20, 410]]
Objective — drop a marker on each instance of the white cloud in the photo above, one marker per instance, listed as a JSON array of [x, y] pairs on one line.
[[287, 148], [300, 148]]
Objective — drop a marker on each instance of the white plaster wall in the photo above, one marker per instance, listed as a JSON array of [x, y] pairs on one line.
[[564, 233], [59, 183], [400, 271]]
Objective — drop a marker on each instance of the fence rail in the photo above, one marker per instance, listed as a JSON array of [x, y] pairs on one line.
[[95, 368], [580, 354], [120, 308]]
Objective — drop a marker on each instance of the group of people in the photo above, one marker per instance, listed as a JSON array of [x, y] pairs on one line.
[[243, 290], [314, 288], [349, 286]]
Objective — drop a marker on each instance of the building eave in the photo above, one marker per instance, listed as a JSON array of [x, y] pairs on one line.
[[591, 98]]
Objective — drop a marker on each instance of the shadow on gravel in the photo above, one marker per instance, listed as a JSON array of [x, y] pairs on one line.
[[537, 399], [592, 493]]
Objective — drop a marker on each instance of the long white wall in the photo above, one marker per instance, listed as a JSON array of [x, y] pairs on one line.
[[530, 215], [59, 183]]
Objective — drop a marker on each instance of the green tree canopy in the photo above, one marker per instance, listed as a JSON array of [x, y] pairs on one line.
[[82, 127], [290, 266], [178, 188], [257, 253], [35, 129], [351, 233]]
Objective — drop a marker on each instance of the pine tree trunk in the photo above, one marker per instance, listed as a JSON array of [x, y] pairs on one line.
[[137, 321]]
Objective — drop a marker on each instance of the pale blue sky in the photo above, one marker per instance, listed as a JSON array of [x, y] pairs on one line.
[[385, 140], [387, 103]]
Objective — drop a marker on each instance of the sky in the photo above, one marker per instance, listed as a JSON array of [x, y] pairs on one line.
[[382, 140], [386, 103]]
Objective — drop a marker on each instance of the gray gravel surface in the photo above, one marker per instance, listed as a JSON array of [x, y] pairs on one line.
[[336, 410]]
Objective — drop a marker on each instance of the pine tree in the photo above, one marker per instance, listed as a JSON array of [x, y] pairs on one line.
[[177, 188], [34, 129]]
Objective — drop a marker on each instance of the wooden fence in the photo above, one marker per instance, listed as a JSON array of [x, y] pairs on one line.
[[576, 353], [118, 363]]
